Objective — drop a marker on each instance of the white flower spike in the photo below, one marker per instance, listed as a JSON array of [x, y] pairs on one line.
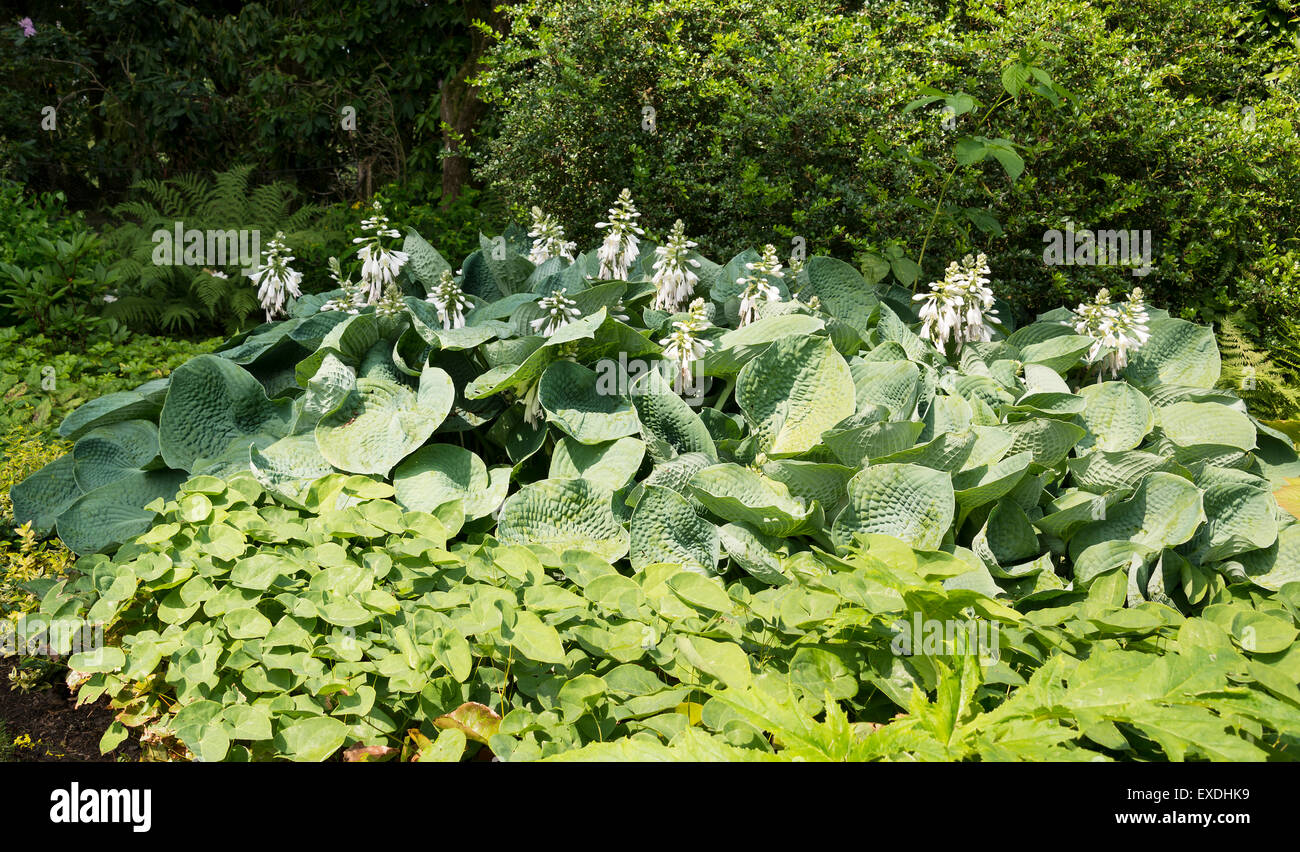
[[619, 249], [673, 278], [275, 279]]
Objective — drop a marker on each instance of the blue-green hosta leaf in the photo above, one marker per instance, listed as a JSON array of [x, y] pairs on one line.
[[44, 495], [108, 453], [108, 409], [1058, 353], [113, 513], [1177, 353], [1239, 509], [1278, 565], [842, 291], [212, 404], [666, 529], [572, 397], [1048, 440], [793, 392], [1164, 511], [289, 464], [674, 474], [738, 347], [562, 515], [1075, 508], [667, 420], [914, 504], [758, 554], [894, 384], [1118, 416], [855, 444], [987, 483], [426, 265], [611, 464], [349, 341], [1050, 404], [380, 422], [947, 451], [440, 473], [1191, 423], [1007, 537], [1101, 471], [822, 482], [739, 495]]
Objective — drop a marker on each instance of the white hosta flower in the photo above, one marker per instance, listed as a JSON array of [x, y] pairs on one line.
[[379, 268], [959, 307], [391, 304], [275, 279], [619, 311], [673, 278], [757, 287], [450, 301], [352, 298], [619, 249], [560, 311], [379, 264], [548, 239], [533, 411], [1116, 331], [684, 346]]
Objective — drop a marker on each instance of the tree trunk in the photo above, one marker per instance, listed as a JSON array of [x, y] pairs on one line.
[[460, 107]]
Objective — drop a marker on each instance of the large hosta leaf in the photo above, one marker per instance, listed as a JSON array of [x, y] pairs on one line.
[[1118, 416], [740, 495], [564, 514], [1239, 511], [793, 392], [289, 463], [108, 409], [42, 497], [440, 473], [666, 529], [1191, 423], [1164, 511], [912, 503], [611, 464], [1177, 353], [842, 290], [737, 348], [380, 422], [212, 404], [109, 515], [108, 453], [573, 397], [667, 421]]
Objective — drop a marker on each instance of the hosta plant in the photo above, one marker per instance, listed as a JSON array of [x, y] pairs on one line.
[[831, 473]]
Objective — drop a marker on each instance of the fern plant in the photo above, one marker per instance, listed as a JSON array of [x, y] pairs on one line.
[[1265, 380], [209, 296]]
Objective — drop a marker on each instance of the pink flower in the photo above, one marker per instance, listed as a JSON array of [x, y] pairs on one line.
[[28, 29]]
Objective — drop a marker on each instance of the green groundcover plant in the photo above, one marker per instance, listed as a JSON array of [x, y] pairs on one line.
[[632, 503]]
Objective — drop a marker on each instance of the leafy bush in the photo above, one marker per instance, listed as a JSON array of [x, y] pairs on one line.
[[26, 219], [774, 122], [504, 530], [179, 296]]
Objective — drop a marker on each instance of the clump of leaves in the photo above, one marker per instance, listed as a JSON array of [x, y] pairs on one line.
[[501, 508]]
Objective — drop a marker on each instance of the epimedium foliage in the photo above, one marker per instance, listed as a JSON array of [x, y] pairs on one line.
[[450, 501]]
